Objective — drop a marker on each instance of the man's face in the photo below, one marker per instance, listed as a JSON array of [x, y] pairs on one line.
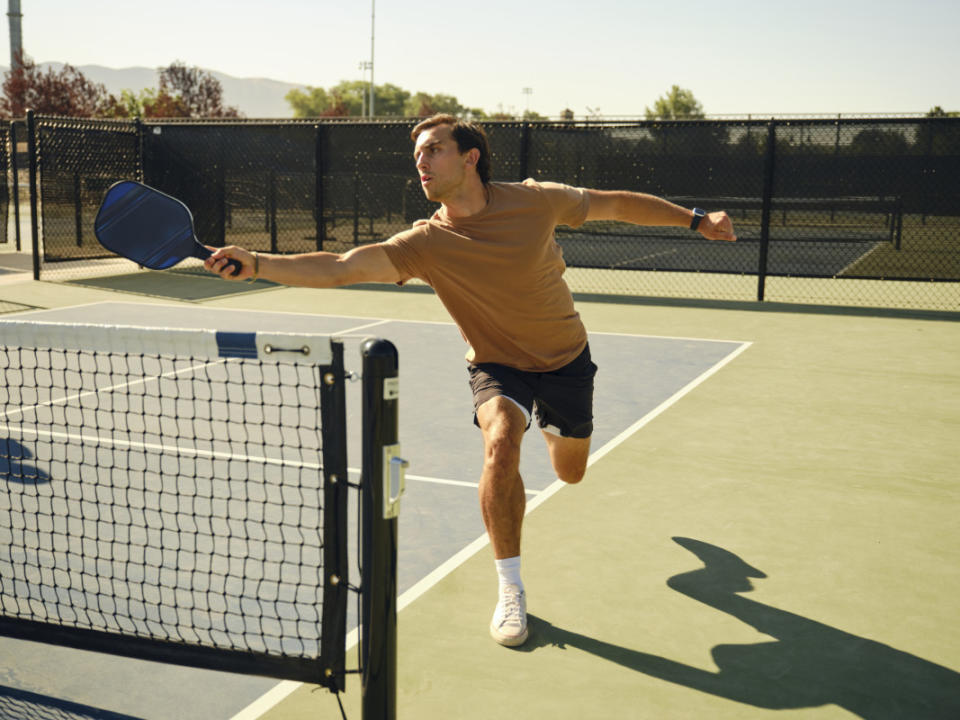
[[441, 166]]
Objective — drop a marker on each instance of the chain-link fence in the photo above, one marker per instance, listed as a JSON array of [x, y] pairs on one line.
[[843, 211]]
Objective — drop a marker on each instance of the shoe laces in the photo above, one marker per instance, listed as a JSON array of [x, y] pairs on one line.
[[511, 606]]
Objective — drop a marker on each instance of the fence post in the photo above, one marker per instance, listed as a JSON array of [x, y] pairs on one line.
[[524, 151], [356, 206], [220, 195], [15, 167], [34, 220], [78, 207], [318, 157], [768, 170], [272, 211], [138, 129]]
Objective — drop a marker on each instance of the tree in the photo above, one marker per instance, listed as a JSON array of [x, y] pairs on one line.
[[307, 103], [874, 141], [390, 100], [65, 92], [938, 138], [161, 104], [938, 112], [424, 104], [349, 97], [677, 104], [188, 92], [345, 98], [337, 108], [351, 94], [132, 102]]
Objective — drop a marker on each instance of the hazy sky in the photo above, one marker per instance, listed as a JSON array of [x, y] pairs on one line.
[[738, 56]]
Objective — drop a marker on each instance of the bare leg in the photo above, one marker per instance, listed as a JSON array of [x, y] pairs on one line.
[[569, 456], [502, 498]]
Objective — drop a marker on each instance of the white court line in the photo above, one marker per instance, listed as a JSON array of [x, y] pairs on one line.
[[215, 455], [174, 449], [358, 328], [450, 565], [457, 483], [375, 321], [672, 337], [863, 257], [645, 257], [140, 381], [421, 587], [282, 690], [251, 311]]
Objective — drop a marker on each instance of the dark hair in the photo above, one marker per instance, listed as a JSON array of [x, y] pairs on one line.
[[467, 135]]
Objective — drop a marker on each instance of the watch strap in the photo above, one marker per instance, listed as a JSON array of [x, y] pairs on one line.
[[698, 215]]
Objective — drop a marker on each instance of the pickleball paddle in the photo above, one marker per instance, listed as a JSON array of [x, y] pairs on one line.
[[147, 226]]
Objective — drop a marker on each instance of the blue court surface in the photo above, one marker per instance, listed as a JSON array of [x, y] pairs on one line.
[[440, 524]]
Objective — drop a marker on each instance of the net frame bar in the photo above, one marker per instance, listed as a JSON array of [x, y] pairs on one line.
[[321, 351]]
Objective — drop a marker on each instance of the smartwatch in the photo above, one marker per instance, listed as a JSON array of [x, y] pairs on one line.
[[697, 217]]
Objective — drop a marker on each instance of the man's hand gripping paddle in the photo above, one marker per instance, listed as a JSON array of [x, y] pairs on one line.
[[149, 227]]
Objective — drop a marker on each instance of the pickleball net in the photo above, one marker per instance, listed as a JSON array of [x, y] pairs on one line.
[[178, 495]]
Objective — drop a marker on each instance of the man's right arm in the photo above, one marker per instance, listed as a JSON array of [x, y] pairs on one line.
[[643, 209], [367, 263]]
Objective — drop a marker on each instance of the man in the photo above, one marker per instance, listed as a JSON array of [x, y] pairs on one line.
[[490, 255]]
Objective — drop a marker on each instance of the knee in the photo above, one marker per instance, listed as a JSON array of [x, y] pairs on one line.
[[572, 475], [501, 452], [503, 427]]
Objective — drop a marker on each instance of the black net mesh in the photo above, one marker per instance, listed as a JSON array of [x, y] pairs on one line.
[[170, 499]]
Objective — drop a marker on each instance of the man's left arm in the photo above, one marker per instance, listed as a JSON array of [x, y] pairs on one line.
[[643, 209]]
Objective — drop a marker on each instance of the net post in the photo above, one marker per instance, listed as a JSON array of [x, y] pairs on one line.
[[378, 645]]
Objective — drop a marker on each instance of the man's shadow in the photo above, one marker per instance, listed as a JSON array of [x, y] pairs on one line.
[[809, 664], [15, 466]]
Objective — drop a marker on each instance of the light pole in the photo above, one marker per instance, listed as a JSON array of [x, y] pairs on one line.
[[373, 15], [364, 66], [16, 37], [528, 92]]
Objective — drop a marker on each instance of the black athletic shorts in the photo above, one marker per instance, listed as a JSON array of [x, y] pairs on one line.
[[561, 399]]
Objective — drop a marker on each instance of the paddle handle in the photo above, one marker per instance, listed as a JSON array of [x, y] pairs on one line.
[[202, 252]]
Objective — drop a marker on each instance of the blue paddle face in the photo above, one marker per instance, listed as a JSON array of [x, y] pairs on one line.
[[147, 226]]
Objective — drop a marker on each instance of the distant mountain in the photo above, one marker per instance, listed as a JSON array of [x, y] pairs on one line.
[[254, 97]]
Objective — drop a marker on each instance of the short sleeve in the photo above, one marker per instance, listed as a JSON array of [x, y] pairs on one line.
[[407, 252], [570, 204]]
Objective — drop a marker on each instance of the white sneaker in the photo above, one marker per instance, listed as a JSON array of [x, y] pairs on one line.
[[509, 624]]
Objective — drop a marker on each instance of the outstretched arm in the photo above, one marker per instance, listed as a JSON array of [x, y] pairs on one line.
[[368, 263], [643, 209]]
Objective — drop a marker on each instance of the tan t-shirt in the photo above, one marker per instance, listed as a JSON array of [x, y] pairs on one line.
[[499, 273]]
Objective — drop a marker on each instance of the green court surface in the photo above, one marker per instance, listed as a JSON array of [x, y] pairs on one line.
[[783, 539]]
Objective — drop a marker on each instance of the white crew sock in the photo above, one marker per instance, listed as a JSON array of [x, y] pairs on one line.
[[508, 571]]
